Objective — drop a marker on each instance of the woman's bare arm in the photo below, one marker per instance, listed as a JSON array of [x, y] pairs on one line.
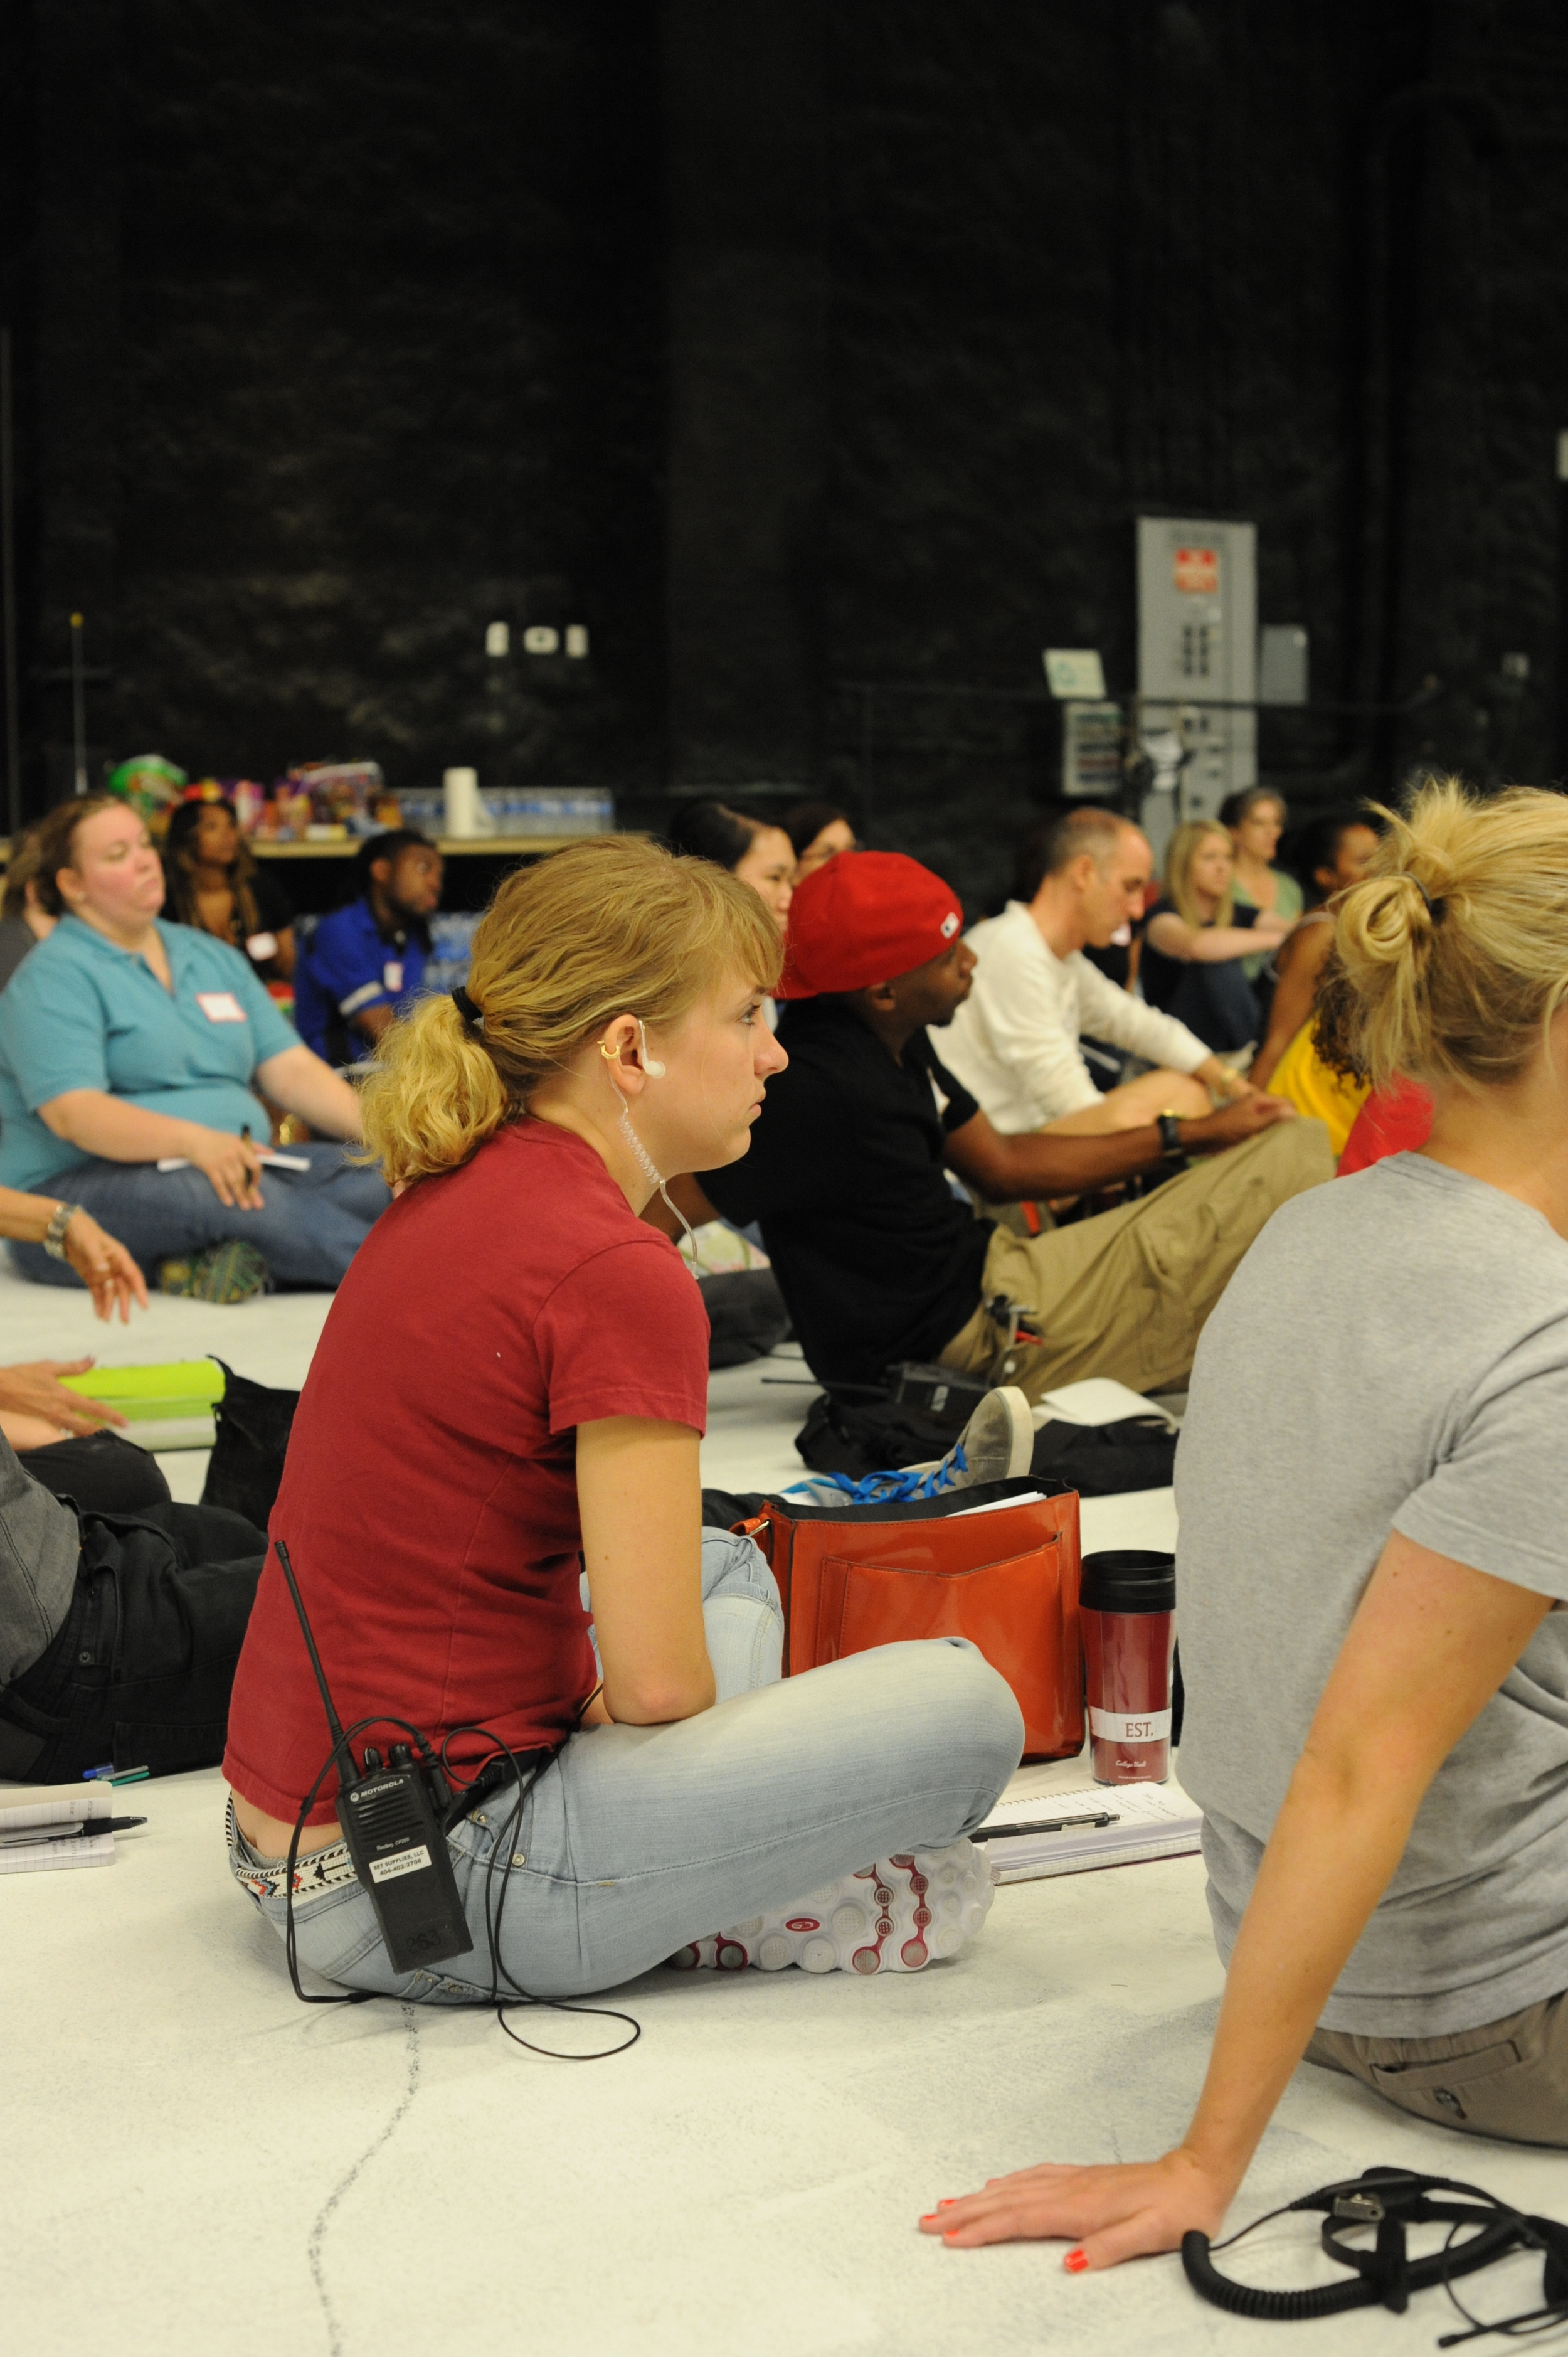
[[1429, 1645], [1213, 944], [298, 1079], [640, 1500], [101, 1261], [1300, 963], [114, 1131]]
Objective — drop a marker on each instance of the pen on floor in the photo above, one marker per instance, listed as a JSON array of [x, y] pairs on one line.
[[21, 1836], [109, 1774], [1044, 1825]]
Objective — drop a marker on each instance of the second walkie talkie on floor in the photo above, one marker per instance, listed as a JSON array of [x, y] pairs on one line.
[[394, 1834]]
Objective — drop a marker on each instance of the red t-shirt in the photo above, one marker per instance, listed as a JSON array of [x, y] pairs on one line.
[[429, 1502], [1396, 1121]]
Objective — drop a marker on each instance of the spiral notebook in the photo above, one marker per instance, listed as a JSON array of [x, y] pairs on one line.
[[1150, 1821]]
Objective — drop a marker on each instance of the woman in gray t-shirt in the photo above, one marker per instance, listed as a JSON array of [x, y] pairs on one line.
[[1377, 1687]]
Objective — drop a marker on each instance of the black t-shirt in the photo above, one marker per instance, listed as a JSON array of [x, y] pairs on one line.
[[875, 1256]]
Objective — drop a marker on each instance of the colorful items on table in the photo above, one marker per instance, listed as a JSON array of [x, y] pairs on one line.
[[152, 786], [328, 801]]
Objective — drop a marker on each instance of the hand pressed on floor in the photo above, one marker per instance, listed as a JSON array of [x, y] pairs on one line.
[[1108, 2213]]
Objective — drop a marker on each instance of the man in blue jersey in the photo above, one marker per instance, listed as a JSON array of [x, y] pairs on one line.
[[365, 960]]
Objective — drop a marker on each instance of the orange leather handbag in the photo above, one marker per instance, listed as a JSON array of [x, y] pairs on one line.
[[855, 1577]]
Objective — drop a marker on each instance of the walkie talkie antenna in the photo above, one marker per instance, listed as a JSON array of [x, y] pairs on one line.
[[335, 1725]]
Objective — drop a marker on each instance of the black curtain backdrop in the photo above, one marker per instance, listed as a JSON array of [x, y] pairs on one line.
[[789, 349]]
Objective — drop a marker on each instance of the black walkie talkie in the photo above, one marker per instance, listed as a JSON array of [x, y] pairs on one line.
[[392, 1834]]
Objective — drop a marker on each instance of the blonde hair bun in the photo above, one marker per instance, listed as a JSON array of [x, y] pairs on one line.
[[1454, 945]]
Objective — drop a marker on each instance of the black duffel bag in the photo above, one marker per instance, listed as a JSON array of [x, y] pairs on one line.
[[859, 1430], [1099, 1460]]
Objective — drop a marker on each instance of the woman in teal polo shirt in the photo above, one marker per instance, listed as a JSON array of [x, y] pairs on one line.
[[129, 1060]]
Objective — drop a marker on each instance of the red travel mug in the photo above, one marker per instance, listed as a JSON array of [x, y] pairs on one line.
[[1127, 1606]]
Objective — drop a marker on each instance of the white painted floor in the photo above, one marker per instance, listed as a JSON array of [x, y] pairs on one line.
[[191, 2164]]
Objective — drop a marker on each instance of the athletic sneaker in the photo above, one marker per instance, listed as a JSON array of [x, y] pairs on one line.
[[234, 1271], [997, 1443], [891, 1918]]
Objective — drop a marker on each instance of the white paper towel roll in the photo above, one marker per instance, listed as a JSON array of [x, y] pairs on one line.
[[465, 813]]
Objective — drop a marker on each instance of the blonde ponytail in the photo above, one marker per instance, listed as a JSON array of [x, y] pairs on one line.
[[613, 926], [1454, 948]]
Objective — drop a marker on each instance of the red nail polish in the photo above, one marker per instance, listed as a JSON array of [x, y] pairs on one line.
[[928, 2217], [1076, 2262], [945, 2205]]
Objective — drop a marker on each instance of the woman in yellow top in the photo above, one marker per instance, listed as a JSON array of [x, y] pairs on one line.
[[1335, 853]]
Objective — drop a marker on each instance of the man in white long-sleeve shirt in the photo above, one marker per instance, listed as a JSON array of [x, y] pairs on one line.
[[1014, 1042]]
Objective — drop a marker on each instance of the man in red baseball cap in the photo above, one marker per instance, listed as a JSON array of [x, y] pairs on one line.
[[881, 1259]]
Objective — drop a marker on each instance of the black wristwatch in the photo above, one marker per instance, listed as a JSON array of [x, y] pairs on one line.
[[1169, 1126]]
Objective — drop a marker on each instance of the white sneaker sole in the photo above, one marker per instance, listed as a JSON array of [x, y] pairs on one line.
[[1021, 1454], [889, 1917]]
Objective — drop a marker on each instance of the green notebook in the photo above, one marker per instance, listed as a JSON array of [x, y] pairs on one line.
[[188, 1388], [165, 1407]]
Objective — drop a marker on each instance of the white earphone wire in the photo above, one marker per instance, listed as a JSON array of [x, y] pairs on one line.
[[645, 1161]]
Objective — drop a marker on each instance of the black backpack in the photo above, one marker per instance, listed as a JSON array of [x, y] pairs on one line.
[[253, 1424]]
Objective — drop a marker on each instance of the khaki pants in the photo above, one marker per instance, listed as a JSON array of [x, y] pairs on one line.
[[1126, 1294], [1509, 2079]]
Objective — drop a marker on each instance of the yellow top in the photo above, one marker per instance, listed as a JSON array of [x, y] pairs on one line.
[[1305, 1080]]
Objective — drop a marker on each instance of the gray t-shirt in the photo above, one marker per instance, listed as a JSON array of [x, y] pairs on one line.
[[40, 1542], [1393, 1354]]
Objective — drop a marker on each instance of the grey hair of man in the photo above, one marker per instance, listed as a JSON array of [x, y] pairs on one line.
[[1055, 841]]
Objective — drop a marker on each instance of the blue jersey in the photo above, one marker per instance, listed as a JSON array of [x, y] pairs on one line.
[[346, 965]]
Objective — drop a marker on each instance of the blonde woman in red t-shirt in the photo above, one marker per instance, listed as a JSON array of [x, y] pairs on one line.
[[510, 1392]]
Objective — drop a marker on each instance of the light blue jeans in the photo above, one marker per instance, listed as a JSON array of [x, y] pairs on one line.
[[638, 1839], [309, 1228]]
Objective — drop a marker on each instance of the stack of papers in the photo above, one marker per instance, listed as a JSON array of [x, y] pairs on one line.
[[70, 1848], [1149, 1821], [1099, 1399], [164, 1407]]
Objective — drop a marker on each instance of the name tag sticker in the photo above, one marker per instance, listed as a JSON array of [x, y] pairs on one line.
[[392, 975], [220, 1007], [261, 946]]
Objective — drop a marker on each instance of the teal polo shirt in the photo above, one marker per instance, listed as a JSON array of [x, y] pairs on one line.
[[81, 1014]]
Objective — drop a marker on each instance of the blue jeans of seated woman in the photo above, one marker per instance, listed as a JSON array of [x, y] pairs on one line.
[[1219, 1003], [311, 1224], [638, 1839]]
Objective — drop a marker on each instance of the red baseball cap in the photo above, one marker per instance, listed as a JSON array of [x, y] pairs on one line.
[[863, 918]]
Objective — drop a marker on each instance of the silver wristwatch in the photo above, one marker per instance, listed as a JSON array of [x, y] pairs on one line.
[[60, 1219]]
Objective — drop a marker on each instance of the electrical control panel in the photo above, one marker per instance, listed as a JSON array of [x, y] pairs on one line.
[[1091, 752], [1198, 655]]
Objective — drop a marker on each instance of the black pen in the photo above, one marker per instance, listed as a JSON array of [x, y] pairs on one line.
[[14, 1839], [1044, 1825]]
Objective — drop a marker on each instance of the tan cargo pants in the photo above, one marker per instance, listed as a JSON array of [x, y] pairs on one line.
[[1127, 1293], [1509, 2079]]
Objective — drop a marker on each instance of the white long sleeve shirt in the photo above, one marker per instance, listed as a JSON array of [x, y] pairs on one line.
[[1014, 1042]]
